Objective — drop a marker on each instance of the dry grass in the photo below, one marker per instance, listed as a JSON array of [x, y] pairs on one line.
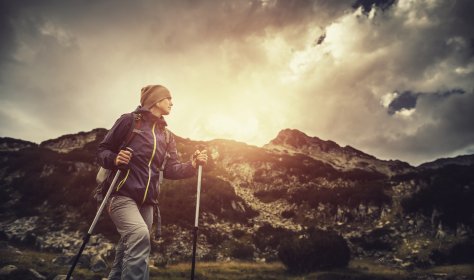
[[357, 270]]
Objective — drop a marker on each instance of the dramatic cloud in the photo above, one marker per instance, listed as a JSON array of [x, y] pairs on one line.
[[392, 78]]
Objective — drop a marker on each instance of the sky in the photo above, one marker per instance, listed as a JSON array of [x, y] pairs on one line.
[[394, 79]]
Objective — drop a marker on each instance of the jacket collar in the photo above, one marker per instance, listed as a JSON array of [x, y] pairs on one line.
[[149, 117]]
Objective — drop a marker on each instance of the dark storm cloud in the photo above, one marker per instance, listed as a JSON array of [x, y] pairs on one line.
[[408, 99], [453, 33], [472, 46], [448, 130], [452, 125], [183, 24], [421, 47], [7, 35], [170, 25], [462, 21]]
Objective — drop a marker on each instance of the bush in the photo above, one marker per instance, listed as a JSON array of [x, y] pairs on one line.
[[462, 252], [314, 250], [378, 239], [459, 253], [373, 192], [288, 214], [268, 196], [238, 233], [178, 201], [242, 251], [268, 237], [450, 190]]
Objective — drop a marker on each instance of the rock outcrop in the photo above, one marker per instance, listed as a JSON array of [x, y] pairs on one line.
[[67, 143]]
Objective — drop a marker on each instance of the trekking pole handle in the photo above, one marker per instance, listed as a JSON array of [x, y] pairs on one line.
[[199, 148], [128, 149]]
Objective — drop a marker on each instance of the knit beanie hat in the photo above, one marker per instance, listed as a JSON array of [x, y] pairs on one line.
[[153, 94]]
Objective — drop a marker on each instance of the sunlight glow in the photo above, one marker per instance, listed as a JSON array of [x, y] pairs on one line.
[[232, 126]]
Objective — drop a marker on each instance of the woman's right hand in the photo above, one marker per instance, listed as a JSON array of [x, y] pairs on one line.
[[123, 157]]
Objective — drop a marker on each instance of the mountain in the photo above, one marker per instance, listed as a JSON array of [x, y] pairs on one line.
[[10, 144], [465, 160], [67, 143], [343, 158], [252, 197]]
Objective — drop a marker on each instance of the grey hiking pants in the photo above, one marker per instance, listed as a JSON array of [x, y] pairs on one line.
[[132, 252]]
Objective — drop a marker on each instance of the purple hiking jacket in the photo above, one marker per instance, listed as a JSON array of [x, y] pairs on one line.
[[140, 180]]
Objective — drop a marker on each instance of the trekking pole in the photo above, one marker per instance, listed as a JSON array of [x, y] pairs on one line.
[[196, 220], [94, 222]]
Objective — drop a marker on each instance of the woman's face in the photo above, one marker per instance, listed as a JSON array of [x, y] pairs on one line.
[[164, 106]]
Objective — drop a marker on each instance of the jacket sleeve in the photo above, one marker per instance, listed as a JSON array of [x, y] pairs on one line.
[[174, 169], [109, 147]]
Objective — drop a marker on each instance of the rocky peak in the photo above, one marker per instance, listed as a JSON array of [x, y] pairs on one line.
[[69, 142], [345, 158], [291, 137], [296, 139]]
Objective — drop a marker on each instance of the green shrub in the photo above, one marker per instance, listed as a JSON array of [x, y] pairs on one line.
[[242, 251], [238, 233], [373, 192], [288, 214], [178, 201], [450, 190], [268, 237], [268, 196], [314, 250]]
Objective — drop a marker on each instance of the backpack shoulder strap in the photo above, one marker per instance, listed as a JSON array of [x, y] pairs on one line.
[[167, 137], [167, 155], [136, 124], [167, 140]]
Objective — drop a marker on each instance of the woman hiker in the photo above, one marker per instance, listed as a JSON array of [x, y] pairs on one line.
[[131, 204]]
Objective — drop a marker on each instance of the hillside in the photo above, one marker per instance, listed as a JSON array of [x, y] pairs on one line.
[[399, 215]]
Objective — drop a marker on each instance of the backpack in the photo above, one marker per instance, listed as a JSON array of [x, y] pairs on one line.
[[103, 174]]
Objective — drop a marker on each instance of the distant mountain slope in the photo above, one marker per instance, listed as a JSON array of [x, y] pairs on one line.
[[69, 142], [11, 144], [464, 160]]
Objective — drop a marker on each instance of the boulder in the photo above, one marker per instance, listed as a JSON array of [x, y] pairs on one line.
[[8, 269]]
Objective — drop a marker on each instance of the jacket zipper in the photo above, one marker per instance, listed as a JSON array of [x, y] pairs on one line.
[[151, 160]]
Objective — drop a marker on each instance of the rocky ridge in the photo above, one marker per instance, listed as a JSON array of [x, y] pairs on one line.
[[8, 144], [67, 143], [344, 158], [465, 160]]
